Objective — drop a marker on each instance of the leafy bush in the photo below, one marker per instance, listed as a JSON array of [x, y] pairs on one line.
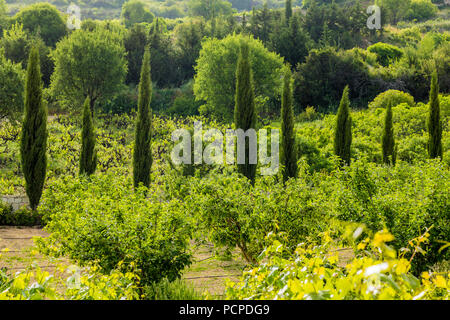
[[37, 284], [393, 98], [405, 199], [386, 53], [22, 217], [421, 10], [124, 102], [316, 273], [103, 221], [184, 103]]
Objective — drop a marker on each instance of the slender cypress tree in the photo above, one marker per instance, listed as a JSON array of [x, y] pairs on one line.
[[34, 132], [343, 133], [88, 158], [142, 157], [434, 121], [244, 111], [288, 8], [288, 152], [388, 142]]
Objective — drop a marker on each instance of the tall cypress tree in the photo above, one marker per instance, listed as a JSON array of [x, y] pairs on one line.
[[88, 158], [288, 8], [244, 111], [34, 132], [288, 150], [434, 121], [142, 157], [343, 133], [388, 142]]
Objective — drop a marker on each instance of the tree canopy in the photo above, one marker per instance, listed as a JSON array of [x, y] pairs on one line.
[[44, 20], [135, 11], [88, 63], [215, 79]]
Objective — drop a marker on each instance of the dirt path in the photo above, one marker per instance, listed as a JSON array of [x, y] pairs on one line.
[[18, 251], [210, 273]]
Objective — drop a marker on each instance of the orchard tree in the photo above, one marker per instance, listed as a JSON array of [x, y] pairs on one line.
[[244, 112], [434, 121], [142, 156], [288, 149], [34, 133], [217, 86], [88, 158], [135, 11], [343, 130], [388, 141], [11, 89], [43, 19], [88, 64]]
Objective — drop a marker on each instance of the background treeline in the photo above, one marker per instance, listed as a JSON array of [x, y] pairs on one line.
[[328, 46]]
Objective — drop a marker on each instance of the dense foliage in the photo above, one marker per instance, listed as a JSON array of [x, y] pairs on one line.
[[317, 273], [375, 100]]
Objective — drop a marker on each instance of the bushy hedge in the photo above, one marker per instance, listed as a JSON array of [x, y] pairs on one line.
[[22, 217], [393, 98]]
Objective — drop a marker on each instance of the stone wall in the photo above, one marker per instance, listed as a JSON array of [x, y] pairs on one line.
[[16, 202]]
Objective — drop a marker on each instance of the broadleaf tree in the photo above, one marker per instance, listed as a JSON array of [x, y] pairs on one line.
[[88, 64], [217, 85]]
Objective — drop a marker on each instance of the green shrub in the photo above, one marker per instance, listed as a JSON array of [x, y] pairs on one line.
[[5, 209], [183, 106], [124, 102], [102, 220], [393, 98], [386, 53]]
